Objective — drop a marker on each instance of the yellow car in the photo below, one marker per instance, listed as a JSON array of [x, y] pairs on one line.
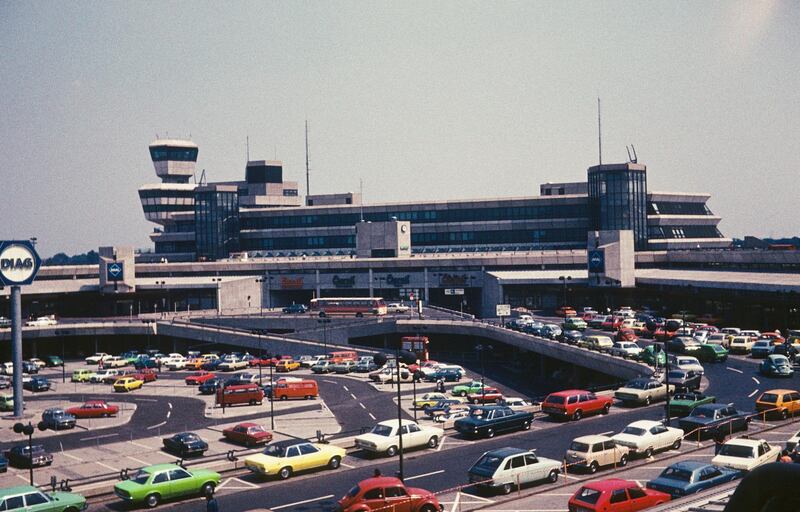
[[284, 458], [429, 400], [82, 375], [127, 384], [287, 365]]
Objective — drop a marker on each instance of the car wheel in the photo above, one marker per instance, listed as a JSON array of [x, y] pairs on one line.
[[428, 508], [151, 501], [606, 408], [359, 315], [490, 433], [648, 453], [593, 467], [577, 415], [677, 444], [784, 414], [391, 451], [335, 462], [553, 476], [285, 473], [623, 461], [647, 400], [506, 488], [526, 425], [207, 489], [252, 402], [433, 442], [462, 393], [475, 401], [284, 397]]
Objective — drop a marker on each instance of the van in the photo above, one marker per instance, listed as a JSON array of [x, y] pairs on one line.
[[342, 355], [306, 389], [235, 394], [82, 375]]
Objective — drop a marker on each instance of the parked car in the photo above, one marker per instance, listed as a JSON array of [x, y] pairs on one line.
[[741, 344], [442, 406], [446, 374], [6, 403], [465, 389], [53, 361], [20, 456], [486, 421], [615, 495], [94, 409], [230, 364], [81, 375], [574, 323], [761, 349], [645, 437], [397, 307], [684, 380], [641, 391], [571, 337], [712, 353], [185, 444], [284, 458], [42, 321], [626, 334], [505, 469], [590, 453], [145, 362], [248, 434], [486, 395], [779, 402], [384, 437], [595, 342], [706, 420], [627, 349], [452, 414], [653, 355], [683, 345], [57, 418], [388, 493], [681, 362], [38, 362], [429, 400], [145, 375], [289, 365], [29, 498], [575, 403], [689, 477], [551, 331], [719, 338], [127, 384], [323, 366], [343, 367], [683, 404], [516, 403], [97, 357], [30, 368], [566, 311], [746, 454], [776, 365], [36, 384], [153, 484]]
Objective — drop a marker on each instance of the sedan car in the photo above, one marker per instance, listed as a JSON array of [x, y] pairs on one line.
[[706, 420], [644, 437], [641, 391], [152, 484], [505, 469], [57, 419], [712, 353], [487, 420], [615, 495], [29, 498], [746, 454], [198, 378], [465, 389], [684, 380], [484, 396], [248, 434], [388, 493], [776, 365], [290, 365], [210, 386], [441, 406], [761, 349], [284, 458], [397, 307], [36, 384], [683, 345], [185, 444], [384, 437], [94, 409], [571, 337], [294, 309], [21, 457], [429, 400], [688, 477], [683, 404], [627, 349]]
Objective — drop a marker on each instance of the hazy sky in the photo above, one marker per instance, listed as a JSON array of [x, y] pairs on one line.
[[423, 100]]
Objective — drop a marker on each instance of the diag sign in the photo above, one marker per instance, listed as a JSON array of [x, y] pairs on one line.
[[19, 262]]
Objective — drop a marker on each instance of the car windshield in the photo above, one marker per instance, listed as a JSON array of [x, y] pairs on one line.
[[702, 413], [141, 477], [579, 447], [587, 495], [677, 474], [275, 450], [684, 396], [352, 493], [553, 399], [477, 413], [634, 431], [489, 462], [718, 348], [734, 450], [382, 430], [769, 398], [637, 384]]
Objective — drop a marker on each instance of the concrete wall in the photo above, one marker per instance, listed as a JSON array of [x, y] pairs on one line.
[[233, 295]]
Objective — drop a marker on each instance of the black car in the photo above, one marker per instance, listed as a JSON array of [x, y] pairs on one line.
[[29, 367], [210, 366], [683, 345], [185, 444], [57, 419], [36, 384], [684, 380], [3, 464], [440, 407], [295, 309], [706, 420], [210, 386], [20, 457], [486, 421], [571, 337]]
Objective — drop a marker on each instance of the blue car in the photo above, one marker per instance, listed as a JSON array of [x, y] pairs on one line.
[[446, 374], [689, 477], [36, 384], [3, 464], [776, 365], [210, 366], [145, 362]]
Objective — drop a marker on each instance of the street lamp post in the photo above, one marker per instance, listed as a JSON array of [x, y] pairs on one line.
[[271, 399], [481, 349], [218, 280], [260, 281], [565, 279], [28, 430], [324, 322]]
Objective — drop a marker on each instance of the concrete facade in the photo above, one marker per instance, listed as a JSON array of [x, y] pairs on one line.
[[383, 239]]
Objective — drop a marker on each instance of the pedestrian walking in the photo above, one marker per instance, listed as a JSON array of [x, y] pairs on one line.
[[719, 440], [440, 385], [211, 502]]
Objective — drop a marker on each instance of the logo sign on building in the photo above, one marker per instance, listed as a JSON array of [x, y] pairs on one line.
[[503, 310], [454, 279], [344, 282], [114, 271], [19, 262], [398, 281], [287, 283], [597, 262], [454, 291]]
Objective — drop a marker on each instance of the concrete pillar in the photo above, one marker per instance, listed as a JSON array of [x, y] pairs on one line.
[[371, 294], [16, 348], [316, 283], [427, 296]]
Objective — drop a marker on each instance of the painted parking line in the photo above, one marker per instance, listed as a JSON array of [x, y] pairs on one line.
[[25, 479], [144, 400], [756, 380], [345, 388], [312, 500], [354, 396], [347, 465], [151, 427], [143, 463], [753, 393], [362, 405], [65, 454], [372, 416], [98, 437], [105, 466], [423, 475], [141, 445], [329, 381]]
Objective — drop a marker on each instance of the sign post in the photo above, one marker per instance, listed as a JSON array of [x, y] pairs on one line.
[[19, 264], [503, 310]]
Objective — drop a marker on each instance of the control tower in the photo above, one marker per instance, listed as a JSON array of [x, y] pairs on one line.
[[174, 161]]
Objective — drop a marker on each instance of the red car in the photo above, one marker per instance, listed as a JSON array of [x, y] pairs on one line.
[[575, 404], [615, 495], [94, 409], [145, 374], [490, 395], [264, 361], [612, 323], [383, 493], [566, 311], [198, 378], [248, 434], [626, 335]]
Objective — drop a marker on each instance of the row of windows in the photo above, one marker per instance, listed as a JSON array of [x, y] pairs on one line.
[[167, 208], [181, 226], [671, 208], [150, 201], [166, 193], [292, 192], [660, 232], [619, 201], [216, 219], [161, 154], [171, 247], [310, 242], [450, 215]]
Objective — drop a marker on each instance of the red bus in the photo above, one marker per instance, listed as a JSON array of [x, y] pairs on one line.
[[349, 306], [416, 344]]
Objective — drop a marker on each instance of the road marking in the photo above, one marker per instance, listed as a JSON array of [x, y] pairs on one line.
[[65, 454], [755, 380], [425, 474], [98, 437], [753, 393], [143, 463], [346, 465], [354, 396], [144, 400], [372, 416], [169, 404], [303, 502], [169, 413], [25, 479], [105, 466], [141, 445], [734, 369], [243, 484], [362, 406], [329, 381], [345, 388], [572, 477], [441, 443], [151, 427]]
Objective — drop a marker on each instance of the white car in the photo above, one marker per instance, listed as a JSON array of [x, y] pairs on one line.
[[505, 469], [687, 363], [114, 362], [397, 307], [451, 416], [230, 364], [311, 360], [38, 362], [99, 375], [719, 338], [753, 334], [746, 454], [793, 441], [97, 357], [730, 330], [516, 403], [8, 368], [42, 321], [645, 437], [625, 349], [384, 437], [701, 336], [741, 344]]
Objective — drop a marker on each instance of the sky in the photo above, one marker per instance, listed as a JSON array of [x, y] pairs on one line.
[[420, 100]]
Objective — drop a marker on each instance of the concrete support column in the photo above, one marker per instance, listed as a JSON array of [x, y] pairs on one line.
[[370, 284], [427, 286], [16, 347], [268, 282], [316, 282]]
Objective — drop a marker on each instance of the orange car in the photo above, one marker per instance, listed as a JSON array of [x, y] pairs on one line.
[[566, 311]]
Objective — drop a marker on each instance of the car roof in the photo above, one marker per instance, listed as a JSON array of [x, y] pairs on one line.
[[712, 406], [393, 423], [741, 441], [159, 467], [248, 424], [569, 392], [780, 391], [101, 402], [610, 484], [17, 489], [689, 465], [506, 451], [591, 439], [286, 443], [645, 424]]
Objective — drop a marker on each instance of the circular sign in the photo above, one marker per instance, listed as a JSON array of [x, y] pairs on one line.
[[17, 263], [403, 228]]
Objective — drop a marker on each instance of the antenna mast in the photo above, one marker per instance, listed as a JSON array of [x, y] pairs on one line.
[[247, 144], [361, 191], [308, 180], [599, 135]]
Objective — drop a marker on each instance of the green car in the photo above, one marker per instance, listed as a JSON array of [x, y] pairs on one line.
[[465, 389], [649, 356], [152, 484], [30, 499], [6, 403], [574, 323], [53, 361], [682, 404], [712, 353]]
